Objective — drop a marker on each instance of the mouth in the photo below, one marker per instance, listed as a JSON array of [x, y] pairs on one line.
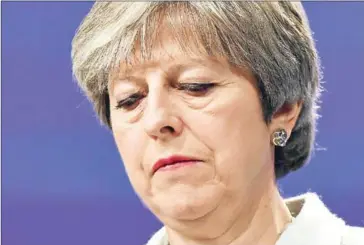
[[173, 162]]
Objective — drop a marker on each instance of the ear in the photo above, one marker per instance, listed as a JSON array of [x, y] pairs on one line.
[[286, 117]]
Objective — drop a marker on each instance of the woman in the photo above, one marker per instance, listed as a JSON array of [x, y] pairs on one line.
[[209, 103]]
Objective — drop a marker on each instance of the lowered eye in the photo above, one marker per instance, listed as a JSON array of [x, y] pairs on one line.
[[130, 103], [196, 89]]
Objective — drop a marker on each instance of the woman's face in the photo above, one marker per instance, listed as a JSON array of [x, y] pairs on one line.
[[198, 108]]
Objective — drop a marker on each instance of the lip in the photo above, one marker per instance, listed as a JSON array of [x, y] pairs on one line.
[[172, 160]]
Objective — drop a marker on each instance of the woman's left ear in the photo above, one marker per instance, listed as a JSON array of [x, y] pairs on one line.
[[286, 117]]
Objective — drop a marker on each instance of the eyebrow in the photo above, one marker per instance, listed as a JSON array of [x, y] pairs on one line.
[[130, 75], [130, 79]]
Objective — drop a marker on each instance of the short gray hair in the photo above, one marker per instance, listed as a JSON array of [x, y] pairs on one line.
[[272, 39]]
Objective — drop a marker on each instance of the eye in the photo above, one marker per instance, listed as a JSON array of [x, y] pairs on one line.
[[197, 89], [130, 103]]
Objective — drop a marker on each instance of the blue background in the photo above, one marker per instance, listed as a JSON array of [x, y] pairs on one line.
[[62, 178]]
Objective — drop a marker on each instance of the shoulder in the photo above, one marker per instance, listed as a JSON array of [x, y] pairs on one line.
[[353, 236], [315, 224], [159, 238]]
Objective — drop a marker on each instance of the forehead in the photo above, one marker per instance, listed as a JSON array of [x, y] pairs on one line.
[[170, 56], [169, 40], [172, 65]]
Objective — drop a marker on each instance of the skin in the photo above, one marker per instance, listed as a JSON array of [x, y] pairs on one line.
[[230, 196]]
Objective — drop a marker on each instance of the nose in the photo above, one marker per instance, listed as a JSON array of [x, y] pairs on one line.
[[160, 119]]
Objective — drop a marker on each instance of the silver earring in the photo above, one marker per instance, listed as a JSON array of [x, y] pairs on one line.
[[280, 137]]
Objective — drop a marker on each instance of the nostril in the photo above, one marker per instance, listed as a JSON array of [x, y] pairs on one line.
[[167, 129]]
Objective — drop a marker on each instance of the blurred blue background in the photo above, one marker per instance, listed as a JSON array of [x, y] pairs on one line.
[[62, 178]]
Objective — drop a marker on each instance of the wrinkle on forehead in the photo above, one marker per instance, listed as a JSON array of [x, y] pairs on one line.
[[169, 35], [176, 39], [166, 54]]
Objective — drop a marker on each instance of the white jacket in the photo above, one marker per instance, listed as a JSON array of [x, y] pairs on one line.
[[313, 225]]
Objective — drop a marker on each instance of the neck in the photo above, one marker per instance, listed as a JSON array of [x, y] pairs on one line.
[[258, 222]]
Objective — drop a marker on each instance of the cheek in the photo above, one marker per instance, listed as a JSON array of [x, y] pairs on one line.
[[235, 131], [131, 148], [127, 137], [236, 120]]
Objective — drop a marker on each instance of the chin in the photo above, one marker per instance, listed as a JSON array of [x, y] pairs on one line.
[[187, 205], [181, 210]]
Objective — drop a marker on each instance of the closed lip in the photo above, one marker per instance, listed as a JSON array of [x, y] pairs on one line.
[[172, 160]]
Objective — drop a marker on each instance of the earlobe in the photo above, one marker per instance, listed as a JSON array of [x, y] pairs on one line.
[[285, 118]]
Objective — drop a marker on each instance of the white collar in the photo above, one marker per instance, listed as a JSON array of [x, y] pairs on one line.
[[313, 225]]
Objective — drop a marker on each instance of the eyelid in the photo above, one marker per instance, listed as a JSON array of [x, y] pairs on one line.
[[128, 85], [195, 80], [122, 96], [122, 90], [203, 76]]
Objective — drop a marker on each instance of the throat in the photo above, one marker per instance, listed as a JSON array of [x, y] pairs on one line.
[[259, 222]]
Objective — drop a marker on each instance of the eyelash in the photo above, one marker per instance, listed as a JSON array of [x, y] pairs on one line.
[[130, 102], [195, 89]]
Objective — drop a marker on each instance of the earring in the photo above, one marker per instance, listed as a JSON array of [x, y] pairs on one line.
[[280, 137]]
